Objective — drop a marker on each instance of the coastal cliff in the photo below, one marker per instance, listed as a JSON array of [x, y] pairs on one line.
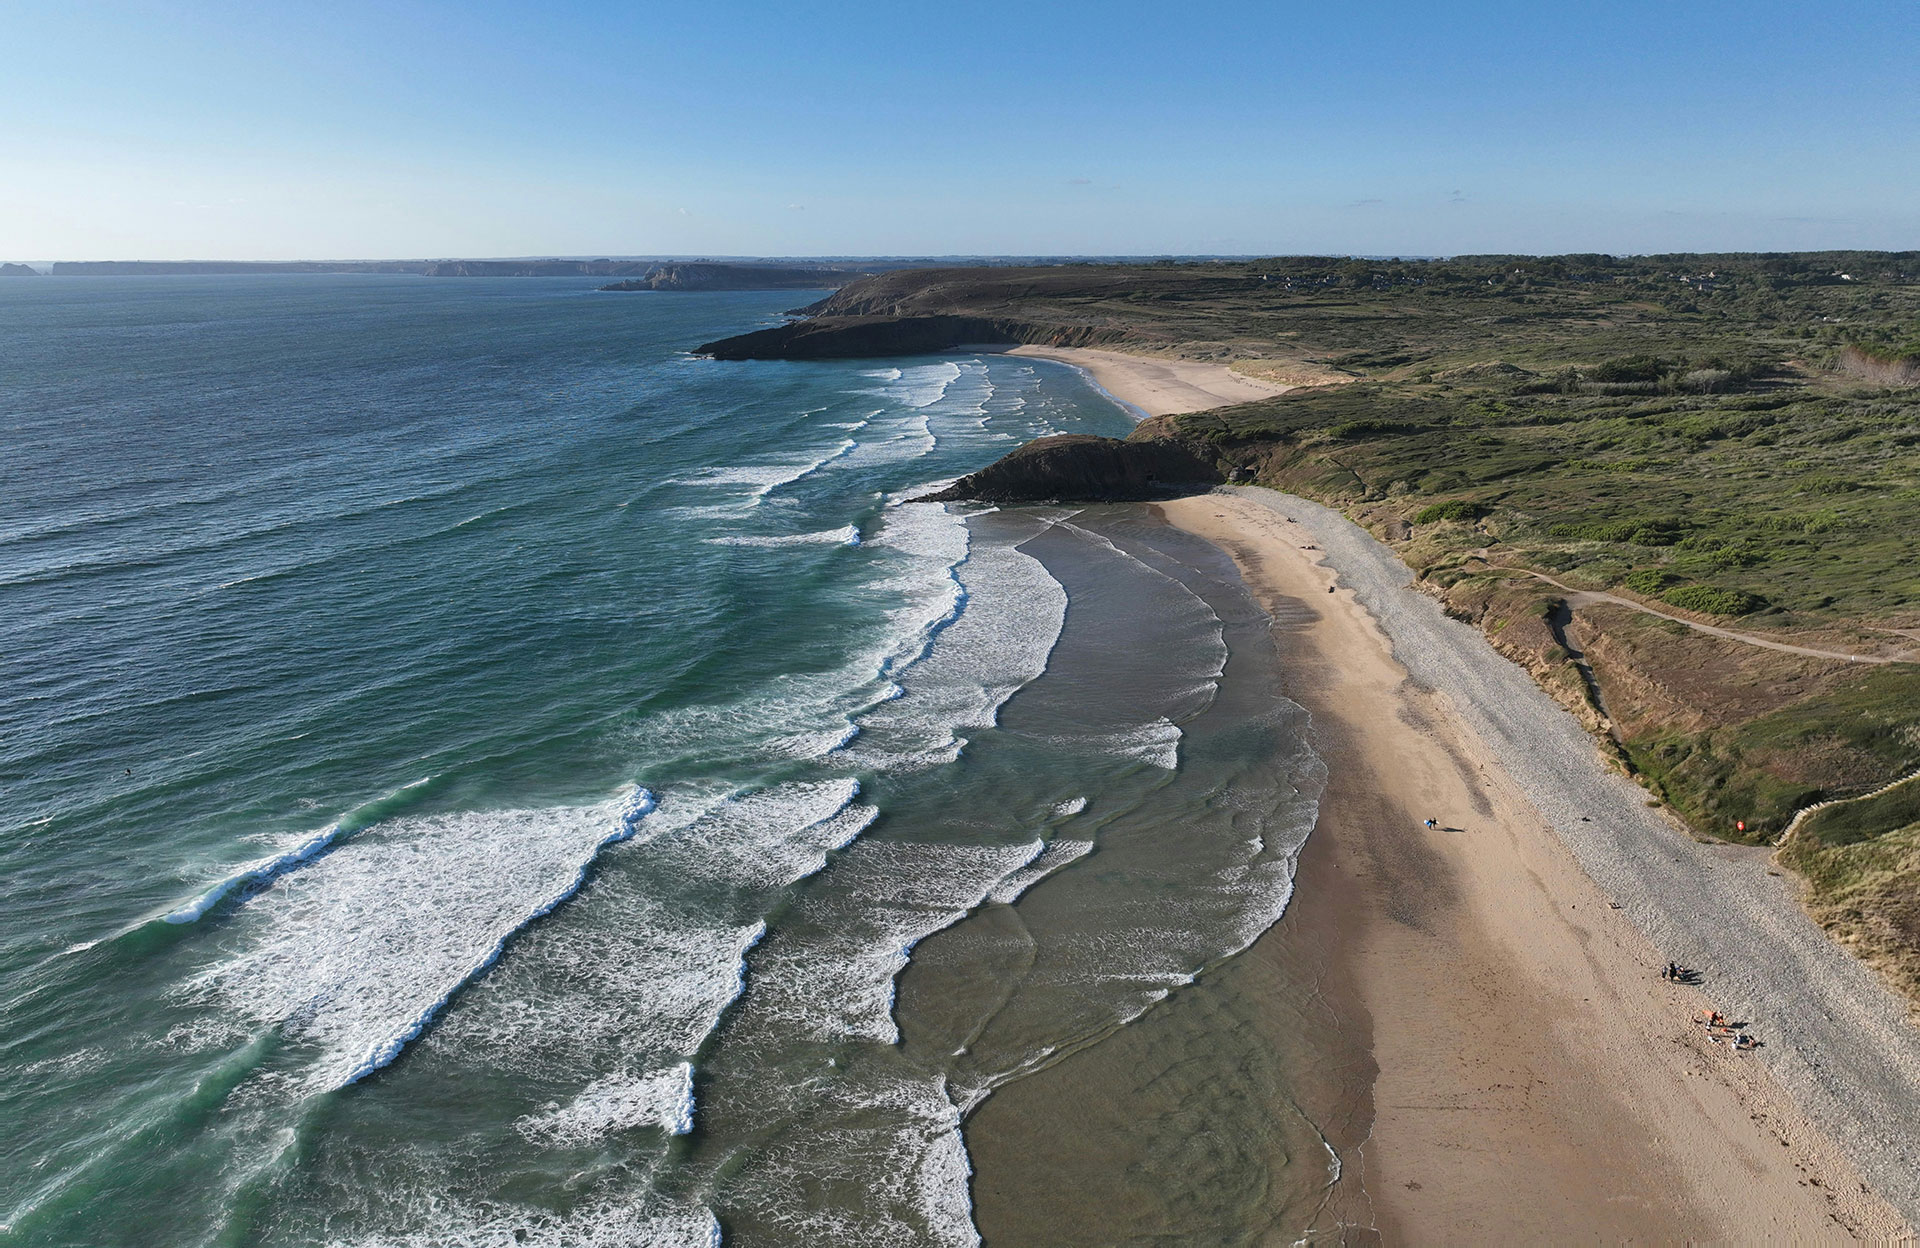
[[915, 311], [1150, 463], [851, 337], [18, 270], [701, 275]]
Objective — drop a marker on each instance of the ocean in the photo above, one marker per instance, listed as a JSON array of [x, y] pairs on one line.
[[473, 773]]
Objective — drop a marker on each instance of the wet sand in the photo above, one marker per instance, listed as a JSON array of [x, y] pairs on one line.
[[1537, 1079], [1452, 1036]]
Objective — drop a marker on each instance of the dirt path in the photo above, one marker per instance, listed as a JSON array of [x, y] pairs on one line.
[[1594, 595]]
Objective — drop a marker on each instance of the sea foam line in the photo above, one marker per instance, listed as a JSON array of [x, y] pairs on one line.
[[766, 478], [263, 870], [845, 535], [638, 806]]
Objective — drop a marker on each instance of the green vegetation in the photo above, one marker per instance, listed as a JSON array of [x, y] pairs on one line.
[[1452, 509], [1849, 823], [1860, 860], [1847, 739], [1737, 435], [1711, 601], [1649, 581], [1804, 491]]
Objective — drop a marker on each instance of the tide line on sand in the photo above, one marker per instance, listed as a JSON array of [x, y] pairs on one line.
[[1556, 895]]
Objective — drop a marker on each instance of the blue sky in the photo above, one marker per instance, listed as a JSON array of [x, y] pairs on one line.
[[164, 130]]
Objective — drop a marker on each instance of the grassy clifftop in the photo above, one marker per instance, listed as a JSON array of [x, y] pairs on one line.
[[1727, 440]]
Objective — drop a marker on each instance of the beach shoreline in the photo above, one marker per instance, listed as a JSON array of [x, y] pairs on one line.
[[1537, 1079], [1152, 386]]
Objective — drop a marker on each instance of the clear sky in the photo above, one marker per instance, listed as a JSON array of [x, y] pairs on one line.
[[161, 129]]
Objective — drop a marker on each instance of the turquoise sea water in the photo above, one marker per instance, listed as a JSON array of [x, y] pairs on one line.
[[472, 773]]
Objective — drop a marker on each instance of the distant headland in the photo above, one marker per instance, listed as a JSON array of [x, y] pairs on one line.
[[633, 272]]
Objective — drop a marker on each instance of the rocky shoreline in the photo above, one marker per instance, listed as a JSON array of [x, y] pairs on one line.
[[1079, 468]]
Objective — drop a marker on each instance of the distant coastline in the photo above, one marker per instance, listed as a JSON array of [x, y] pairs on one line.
[[662, 274]]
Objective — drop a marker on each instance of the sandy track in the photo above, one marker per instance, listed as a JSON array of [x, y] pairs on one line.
[[1837, 1040], [1595, 595]]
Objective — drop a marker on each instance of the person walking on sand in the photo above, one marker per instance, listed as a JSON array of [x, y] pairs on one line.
[[1433, 823]]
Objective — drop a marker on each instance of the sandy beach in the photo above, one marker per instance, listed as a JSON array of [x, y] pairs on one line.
[[1536, 1078], [1159, 387]]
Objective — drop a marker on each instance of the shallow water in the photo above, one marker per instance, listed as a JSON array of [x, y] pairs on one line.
[[475, 774]]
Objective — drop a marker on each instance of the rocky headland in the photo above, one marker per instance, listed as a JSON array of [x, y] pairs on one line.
[[854, 337], [1152, 462], [702, 275]]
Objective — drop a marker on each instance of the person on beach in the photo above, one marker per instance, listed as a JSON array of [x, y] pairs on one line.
[[1433, 823]]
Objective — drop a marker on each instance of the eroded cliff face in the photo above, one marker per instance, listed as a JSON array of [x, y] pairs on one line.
[[1076, 467]]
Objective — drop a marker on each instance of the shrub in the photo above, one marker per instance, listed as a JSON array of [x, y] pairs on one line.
[[1707, 380], [1452, 509], [1712, 601], [1354, 429], [1629, 368], [1655, 531], [1649, 581]]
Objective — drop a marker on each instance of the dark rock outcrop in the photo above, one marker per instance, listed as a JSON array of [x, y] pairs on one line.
[[1075, 467], [853, 337], [18, 270]]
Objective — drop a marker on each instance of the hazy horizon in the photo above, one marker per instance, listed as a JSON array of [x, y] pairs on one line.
[[140, 131], [856, 258]]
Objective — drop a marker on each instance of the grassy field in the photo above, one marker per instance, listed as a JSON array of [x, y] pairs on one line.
[[1731, 439]]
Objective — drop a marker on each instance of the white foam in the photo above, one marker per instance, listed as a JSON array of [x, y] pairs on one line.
[[898, 435], [965, 408], [772, 838], [842, 985], [636, 981], [621, 1102], [914, 1172], [356, 954], [846, 535], [811, 714], [303, 850], [1006, 615], [924, 385], [1157, 743], [1058, 853], [766, 478], [447, 1221], [1072, 806], [580, 1002]]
